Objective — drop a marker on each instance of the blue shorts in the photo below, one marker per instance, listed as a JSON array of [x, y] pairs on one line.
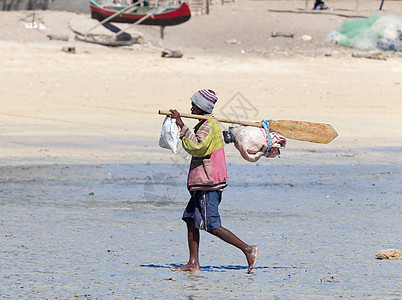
[[203, 208]]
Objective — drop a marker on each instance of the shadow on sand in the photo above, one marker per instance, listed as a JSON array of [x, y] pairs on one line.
[[217, 268]]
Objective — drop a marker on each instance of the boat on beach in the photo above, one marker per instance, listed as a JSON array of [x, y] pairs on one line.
[[149, 15]]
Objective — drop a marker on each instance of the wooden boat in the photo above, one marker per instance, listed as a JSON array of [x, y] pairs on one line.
[[150, 15]]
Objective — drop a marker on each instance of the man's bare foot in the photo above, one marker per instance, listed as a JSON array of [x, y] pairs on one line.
[[252, 258], [188, 268]]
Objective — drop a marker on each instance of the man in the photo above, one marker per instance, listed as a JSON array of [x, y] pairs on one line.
[[319, 5], [206, 181]]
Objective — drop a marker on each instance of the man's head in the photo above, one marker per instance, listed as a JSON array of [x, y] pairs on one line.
[[204, 100], [195, 110]]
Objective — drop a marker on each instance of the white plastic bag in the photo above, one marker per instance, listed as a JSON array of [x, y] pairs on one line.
[[170, 135]]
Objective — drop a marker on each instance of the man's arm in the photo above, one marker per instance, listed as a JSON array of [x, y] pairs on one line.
[[176, 115], [195, 144]]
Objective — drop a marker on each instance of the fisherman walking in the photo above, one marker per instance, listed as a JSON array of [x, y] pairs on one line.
[[206, 181]]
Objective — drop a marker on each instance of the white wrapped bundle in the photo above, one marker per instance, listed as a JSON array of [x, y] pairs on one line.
[[170, 135], [252, 142]]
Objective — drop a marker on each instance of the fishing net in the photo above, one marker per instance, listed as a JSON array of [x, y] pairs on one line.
[[372, 33]]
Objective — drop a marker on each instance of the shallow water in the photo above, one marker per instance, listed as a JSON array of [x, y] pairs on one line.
[[105, 231]]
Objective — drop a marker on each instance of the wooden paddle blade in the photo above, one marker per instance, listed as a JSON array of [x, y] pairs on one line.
[[304, 131]]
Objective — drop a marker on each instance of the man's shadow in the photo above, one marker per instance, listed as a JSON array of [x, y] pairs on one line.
[[218, 268]]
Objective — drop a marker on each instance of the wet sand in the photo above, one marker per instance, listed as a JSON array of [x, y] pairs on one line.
[[105, 231]]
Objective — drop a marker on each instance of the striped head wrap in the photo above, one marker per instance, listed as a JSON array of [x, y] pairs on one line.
[[205, 100]]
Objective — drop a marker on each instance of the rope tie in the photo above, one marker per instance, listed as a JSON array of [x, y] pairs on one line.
[[265, 125]]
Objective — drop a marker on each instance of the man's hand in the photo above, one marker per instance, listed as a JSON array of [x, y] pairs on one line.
[[176, 115]]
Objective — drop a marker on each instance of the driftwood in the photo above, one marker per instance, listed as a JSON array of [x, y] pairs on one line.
[[282, 34], [375, 55], [124, 39], [315, 12], [57, 37]]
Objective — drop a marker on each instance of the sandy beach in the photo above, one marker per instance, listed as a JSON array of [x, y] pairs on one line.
[[114, 93], [91, 205]]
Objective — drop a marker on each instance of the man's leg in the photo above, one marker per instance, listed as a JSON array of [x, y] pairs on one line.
[[193, 236], [227, 236]]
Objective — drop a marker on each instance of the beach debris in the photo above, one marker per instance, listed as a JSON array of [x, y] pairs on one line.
[[57, 37], [334, 37], [171, 53], [389, 254], [68, 50], [373, 33], [330, 279], [35, 25], [374, 55], [282, 34], [82, 296], [233, 42], [306, 38], [123, 39], [32, 21], [107, 40]]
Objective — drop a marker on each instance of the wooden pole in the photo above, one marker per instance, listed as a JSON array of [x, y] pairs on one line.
[[223, 120], [382, 2], [33, 14], [156, 10], [126, 9], [297, 130], [162, 40]]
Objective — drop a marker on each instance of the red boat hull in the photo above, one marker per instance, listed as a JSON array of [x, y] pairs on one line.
[[169, 18]]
